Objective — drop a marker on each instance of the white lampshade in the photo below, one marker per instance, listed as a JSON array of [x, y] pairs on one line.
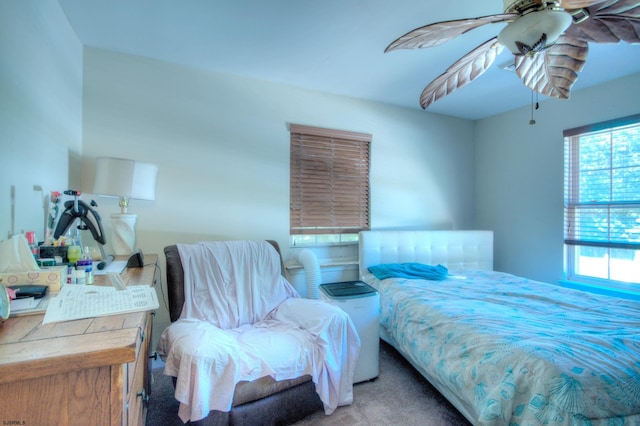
[[118, 177], [528, 29]]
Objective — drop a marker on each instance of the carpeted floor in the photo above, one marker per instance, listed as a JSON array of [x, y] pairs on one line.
[[399, 396]]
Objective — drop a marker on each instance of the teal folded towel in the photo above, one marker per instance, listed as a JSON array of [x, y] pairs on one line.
[[409, 270]]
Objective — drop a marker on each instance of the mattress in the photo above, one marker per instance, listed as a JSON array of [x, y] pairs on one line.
[[508, 350]]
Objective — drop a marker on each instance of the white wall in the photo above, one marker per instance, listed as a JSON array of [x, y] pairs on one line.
[[222, 146], [40, 111], [519, 175]]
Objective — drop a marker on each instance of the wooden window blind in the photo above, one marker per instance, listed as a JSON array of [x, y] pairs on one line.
[[329, 181]]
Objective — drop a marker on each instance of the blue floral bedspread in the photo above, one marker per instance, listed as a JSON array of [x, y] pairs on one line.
[[519, 352]]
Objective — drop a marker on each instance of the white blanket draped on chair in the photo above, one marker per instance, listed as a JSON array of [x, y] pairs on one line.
[[242, 320]]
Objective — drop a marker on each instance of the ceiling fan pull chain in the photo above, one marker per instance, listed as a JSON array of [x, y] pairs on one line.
[[532, 121]]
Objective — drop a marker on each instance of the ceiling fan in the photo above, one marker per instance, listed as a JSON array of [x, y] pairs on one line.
[[550, 41]]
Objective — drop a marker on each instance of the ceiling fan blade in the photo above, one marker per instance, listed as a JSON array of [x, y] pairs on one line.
[[464, 71], [436, 34], [553, 72], [610, 23]]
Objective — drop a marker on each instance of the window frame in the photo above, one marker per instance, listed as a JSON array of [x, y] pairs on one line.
[[578, 235], [336, 158]]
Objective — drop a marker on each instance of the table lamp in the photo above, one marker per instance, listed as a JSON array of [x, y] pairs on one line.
[[125, 179]]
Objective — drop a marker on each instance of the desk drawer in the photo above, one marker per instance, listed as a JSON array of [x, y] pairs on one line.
[[138, 389]]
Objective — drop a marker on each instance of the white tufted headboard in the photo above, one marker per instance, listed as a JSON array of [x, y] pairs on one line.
[[453, 249]]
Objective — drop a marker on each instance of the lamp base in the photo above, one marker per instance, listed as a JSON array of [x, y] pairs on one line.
[[124, 234]]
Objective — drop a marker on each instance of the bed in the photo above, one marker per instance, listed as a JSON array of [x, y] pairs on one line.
[[504, 350]]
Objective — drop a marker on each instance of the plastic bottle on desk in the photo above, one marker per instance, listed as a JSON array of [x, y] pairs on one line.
[[89, 269], [81, 276], [71, 274], [74, 253], [84, 268], [33, 244]]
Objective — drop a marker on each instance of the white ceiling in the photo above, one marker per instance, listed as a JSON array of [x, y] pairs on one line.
[[333, 46]]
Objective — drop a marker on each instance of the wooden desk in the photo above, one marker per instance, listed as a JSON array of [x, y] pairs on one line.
[[86, 372]]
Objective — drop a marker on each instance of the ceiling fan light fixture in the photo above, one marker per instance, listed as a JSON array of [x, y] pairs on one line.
[[528, 30]]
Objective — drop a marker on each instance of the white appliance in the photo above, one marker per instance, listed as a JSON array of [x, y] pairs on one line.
[[362, 303]]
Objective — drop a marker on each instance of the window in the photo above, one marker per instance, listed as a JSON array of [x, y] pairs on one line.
[[602, 203], [329, 184]]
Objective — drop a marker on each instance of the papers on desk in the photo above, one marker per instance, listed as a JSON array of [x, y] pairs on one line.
[[29, 306], [24, 303], [88, 301], [115, 266]]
